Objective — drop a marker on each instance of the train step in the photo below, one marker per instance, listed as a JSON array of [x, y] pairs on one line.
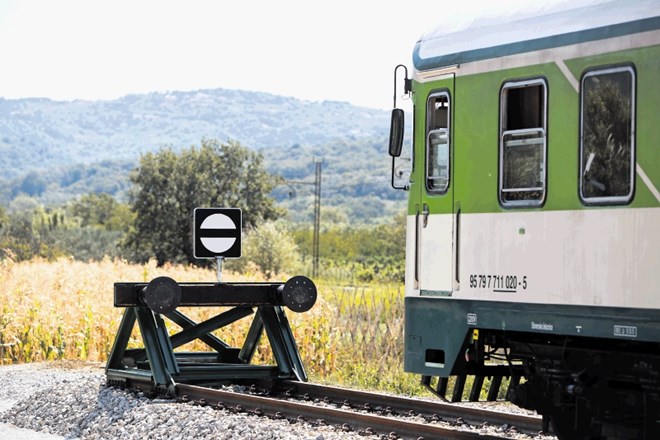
[[471, 388]]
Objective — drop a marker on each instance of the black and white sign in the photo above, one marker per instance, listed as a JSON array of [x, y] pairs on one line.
[[217, 232]]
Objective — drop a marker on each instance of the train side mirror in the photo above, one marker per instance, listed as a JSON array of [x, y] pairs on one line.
[[397, 127], [396, 132]]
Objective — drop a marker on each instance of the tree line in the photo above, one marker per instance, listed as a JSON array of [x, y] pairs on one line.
[[156, 221]]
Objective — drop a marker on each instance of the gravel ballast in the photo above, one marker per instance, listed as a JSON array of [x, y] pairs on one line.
[[75, 404], [58, 401]]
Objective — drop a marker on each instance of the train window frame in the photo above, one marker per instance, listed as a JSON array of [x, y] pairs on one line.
[[585, 163], [525, 137], [441, 133]]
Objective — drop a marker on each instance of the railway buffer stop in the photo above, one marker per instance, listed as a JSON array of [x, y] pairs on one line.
[[156, 366]]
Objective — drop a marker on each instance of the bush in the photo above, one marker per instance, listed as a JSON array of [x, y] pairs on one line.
[[270, 249]]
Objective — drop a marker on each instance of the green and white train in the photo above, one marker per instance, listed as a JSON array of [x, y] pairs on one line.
[[533, 227]]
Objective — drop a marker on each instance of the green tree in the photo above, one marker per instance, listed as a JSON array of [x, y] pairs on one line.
[[101, 211], [87, 242], [27, 233], [364, 253], [87, 229], [23, 203], [18, 237], [167, 187]]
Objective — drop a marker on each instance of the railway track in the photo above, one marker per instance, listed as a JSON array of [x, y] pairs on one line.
[[404, 405], [369, 413]]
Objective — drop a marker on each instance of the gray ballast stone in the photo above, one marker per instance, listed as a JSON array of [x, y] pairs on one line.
[[53, 403]]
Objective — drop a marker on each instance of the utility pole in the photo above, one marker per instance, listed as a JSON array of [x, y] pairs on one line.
[[317, 218], [317, 213]]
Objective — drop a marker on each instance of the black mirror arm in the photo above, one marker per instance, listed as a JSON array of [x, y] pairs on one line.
[[407, 83]]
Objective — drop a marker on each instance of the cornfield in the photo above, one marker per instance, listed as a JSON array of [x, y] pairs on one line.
[[64, 310]]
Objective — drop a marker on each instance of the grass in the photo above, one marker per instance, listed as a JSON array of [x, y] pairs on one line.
[[63, 310]]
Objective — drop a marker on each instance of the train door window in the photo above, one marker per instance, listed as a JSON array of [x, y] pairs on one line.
[[437, 143], [607, 136], [523, 110]]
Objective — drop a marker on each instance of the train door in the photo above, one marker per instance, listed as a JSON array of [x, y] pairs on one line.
[[435, 217]]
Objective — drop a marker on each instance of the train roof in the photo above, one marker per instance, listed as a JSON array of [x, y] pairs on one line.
[[492, 38]]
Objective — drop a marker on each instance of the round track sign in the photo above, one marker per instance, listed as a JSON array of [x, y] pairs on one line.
[[217, 232]]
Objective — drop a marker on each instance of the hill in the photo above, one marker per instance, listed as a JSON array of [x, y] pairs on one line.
[[55, 150]]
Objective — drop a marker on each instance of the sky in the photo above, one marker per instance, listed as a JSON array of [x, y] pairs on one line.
[[340, 50]]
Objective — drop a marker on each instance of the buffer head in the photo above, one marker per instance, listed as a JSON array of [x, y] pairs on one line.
[[299, 294], [162, 295]]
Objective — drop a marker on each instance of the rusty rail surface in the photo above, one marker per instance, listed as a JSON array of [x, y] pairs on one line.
[[404, 405], [371, 423]]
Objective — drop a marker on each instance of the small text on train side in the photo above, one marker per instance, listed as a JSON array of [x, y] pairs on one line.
[[499, 283]]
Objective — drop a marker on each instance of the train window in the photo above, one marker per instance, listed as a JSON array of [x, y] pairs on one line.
[[523, 110], [437, 143], [607, 153]]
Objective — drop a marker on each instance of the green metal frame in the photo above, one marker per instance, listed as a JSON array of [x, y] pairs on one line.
[[159, 362]]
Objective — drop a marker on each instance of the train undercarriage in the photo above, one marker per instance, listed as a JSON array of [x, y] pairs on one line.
[[587, 388]]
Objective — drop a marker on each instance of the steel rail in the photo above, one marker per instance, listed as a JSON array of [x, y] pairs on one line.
[[402, 428], [403, 405]]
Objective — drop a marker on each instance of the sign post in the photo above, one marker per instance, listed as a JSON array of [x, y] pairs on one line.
[[218, 263]]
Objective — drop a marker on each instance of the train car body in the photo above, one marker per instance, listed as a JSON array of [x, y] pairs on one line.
[[533, 227]]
